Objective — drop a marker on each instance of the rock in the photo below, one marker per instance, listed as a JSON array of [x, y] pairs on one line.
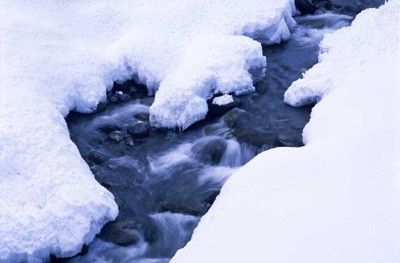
[[231, 117], [174, 206], [223, 100], [128, 140], [221, 105], [139, 130], [305, 6], [288, 141], [124, 97], [123, 233], [109, 127], [96, 157], [113, 98], [142, 116], [133, 90], [211, 130], [102, 105], [218, 129], [127, 231], [120, 87], [116, 136], [209, 150]]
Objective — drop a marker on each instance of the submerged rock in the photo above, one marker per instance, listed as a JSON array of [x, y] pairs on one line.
[[305, 6], [124, 97], [142, 116], [95, 157], [128, 140], [109, 127], [348, 7], [221, 104], [123, 233], [116, 136], [232, 116], [128, 231], [209, 150], [242, 127], [139, 130], [102, 105]]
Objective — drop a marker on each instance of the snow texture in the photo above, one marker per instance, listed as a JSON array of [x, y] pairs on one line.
[[223, 100], [337, 199], [56, 56]]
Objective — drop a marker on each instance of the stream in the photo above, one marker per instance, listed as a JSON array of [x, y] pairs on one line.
[[164, 180]]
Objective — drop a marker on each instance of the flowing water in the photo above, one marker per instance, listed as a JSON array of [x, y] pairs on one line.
[[164, 180]]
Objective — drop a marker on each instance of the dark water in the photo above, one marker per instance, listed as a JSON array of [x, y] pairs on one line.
[[164, 182]]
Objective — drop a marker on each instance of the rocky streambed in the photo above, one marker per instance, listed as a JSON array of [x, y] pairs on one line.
[[165, 180]]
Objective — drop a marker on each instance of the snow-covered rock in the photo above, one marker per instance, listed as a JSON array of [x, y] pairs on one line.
[[223, 100], [337, 199], [56, 56], [215, 57]]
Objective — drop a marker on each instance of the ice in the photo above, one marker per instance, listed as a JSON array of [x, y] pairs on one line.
[[337, 199], [58, 56]]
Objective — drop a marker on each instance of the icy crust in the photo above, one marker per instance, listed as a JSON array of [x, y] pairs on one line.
[[337, 199], [62, 55]]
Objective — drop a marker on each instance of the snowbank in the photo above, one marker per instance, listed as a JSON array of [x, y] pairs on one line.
[[337, 199], [62, 55]]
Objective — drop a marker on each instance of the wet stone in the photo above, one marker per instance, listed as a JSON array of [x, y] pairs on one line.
[[113, 98], [127, 231], [215, 110], [128, 140], [218, 129], [174, 206], [232, 116], [124, 97], [95, 157], [142, 116], [288, 141], [109, 127], [209, 151], [121, 174], [139, 130], [260, 139], [305, 6], [102, 105], [123, 233], [116, 136]]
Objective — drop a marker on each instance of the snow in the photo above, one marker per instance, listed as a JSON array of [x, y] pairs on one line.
[[57, 56], [223, 100], [337, 199]]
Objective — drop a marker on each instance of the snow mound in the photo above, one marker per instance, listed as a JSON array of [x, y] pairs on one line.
[[223, 100], [56, 56], [49, 199], [337, 199]]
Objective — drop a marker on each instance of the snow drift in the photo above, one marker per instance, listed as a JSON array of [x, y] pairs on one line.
[[57, 56], [337, 199]]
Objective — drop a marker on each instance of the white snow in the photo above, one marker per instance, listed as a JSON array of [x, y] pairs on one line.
[[223, 100], [337, 199], [56, 56]]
